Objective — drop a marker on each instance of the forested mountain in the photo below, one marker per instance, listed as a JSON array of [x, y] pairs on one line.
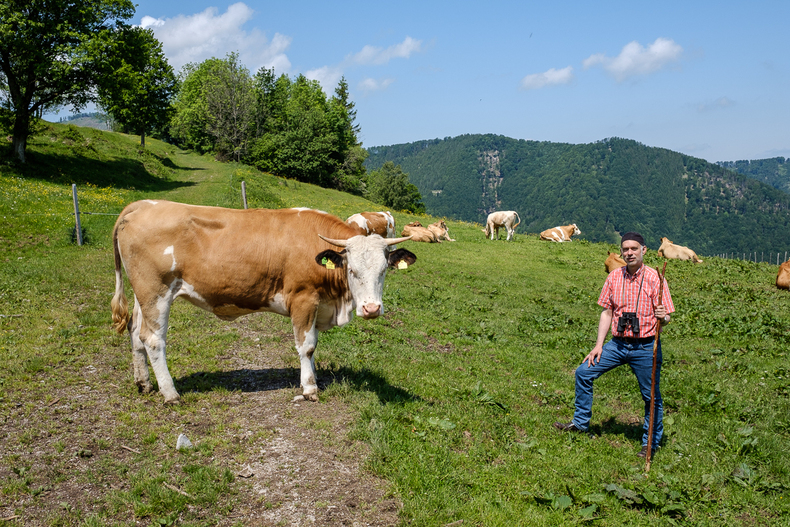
[[607, 188], [774, 171]]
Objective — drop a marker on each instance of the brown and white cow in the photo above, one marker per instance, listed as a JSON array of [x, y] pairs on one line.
[[613, 261], [561, 233], [439, 229], [419, 233], [676, 252], [381, 223], [783, 276], [234, 262], [509, 219]]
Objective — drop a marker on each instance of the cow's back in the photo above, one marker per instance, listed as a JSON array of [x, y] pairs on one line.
[[228, 256]]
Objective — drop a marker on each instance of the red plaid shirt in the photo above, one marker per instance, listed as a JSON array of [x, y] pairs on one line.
[[620, 293]]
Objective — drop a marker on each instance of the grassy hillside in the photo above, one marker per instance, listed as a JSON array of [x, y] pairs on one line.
[[606, 188], [447, 400]]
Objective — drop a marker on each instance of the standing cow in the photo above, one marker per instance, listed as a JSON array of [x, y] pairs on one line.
[[234, 262], [509, 219], [676, 252], [562, 233]]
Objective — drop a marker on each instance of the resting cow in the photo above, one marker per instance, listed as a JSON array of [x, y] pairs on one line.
[[234, 262], [613, 261], [419, 233], [783, 276], [439, 229], [560, 234], [676, 252], [381, 223], [509, 219]]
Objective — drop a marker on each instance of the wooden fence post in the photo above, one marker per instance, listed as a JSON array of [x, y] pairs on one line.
[[77, 213], [244, 193]]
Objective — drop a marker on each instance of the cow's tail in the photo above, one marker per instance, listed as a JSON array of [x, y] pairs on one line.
[[519, 220], [119, 304]]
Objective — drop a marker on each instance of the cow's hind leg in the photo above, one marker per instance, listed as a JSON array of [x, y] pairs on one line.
[[306, 337], [153, 334], [139, 358]]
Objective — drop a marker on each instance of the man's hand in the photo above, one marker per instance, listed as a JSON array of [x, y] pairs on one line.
[[594, 355], [661, 312]]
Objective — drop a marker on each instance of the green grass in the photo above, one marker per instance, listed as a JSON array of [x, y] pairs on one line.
[[455, 388]]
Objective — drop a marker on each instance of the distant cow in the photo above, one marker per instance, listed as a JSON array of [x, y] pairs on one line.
[[560, 234], [381, 223], [613, 261], [783, 276], [233, 262], [440, 230], [676, 252], [419, 233], [509, 219]]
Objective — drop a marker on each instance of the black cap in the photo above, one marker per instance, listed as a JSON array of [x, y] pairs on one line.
[[633, 236]]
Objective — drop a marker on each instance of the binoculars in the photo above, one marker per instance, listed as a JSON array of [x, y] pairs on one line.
[[626, 320]]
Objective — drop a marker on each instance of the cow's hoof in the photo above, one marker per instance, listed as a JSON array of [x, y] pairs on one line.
[[145, 388], [311, 397], [175, 401]]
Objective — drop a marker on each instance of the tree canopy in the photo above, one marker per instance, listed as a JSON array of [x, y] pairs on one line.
[[50, 55]]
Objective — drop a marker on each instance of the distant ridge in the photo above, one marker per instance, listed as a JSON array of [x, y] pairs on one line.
[[607, 188], [774, 171], [89, 120]]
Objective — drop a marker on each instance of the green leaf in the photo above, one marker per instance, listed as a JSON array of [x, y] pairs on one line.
[[588, 513], [562, 502]]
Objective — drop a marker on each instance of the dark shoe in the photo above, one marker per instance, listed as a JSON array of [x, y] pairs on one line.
[[567, 427], [643, 452]]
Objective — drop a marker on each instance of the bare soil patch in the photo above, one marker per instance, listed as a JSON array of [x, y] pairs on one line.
[[64, 447]]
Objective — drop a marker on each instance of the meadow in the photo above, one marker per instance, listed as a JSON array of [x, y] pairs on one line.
[[438, 413]]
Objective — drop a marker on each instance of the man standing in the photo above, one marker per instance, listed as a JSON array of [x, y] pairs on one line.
[[630, 308]]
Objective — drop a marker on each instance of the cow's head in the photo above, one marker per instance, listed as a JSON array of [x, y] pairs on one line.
[[576, 230], [365, 261]]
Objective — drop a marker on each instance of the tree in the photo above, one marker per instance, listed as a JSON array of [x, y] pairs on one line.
[[230, 105], [48, 56], [389, 186], [139, 83]]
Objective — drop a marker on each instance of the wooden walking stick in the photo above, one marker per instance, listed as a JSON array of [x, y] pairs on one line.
[[651, 420]]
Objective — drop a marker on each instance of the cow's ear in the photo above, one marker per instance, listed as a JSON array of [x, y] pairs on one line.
[[401, 259], [329, 259]]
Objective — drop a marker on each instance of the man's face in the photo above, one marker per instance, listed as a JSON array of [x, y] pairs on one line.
[[632, 253]]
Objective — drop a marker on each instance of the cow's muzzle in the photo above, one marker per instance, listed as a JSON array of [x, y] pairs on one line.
[[371, 310]]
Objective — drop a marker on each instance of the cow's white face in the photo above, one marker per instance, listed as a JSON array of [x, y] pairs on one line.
[[365, 262], [366, 267], [576, 230]]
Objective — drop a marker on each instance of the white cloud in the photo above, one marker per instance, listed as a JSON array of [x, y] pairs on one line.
[[370, 85], [327, 76], [547, 78], [721, 102], [378, 56], [634, 59], [195, 38]]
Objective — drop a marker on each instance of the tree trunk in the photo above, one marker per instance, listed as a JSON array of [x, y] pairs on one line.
[[142, 138], [20, 134]]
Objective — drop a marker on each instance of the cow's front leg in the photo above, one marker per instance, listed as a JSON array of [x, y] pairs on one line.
[[306, 337]]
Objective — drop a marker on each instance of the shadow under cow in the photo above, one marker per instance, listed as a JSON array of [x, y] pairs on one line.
[[268, 379]]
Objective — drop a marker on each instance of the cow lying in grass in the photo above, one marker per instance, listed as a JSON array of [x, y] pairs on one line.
[[439, 229], [676, 252], [562, 233], [234, 262], [613, 261], [418, 233], [783, 276]]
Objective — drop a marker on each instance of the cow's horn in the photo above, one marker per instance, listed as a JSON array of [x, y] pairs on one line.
[[395, 241], [339, 243]]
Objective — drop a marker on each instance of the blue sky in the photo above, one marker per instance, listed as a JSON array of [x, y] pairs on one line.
[[709, 79]]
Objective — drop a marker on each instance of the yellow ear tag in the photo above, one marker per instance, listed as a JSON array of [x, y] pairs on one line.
[[330, 264], [402, 264]]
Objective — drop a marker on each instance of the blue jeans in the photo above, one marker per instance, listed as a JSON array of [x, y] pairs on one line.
[[615, 353]]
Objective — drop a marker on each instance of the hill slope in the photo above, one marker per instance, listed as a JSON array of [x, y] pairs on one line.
[[774, 171], [608, 187]]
